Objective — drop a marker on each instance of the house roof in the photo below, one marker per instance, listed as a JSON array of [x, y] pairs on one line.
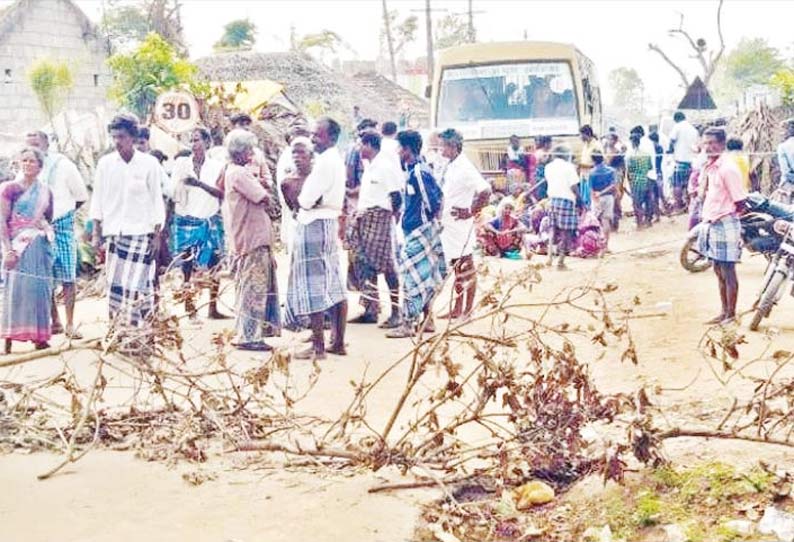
[[697, 97], [306, 82]]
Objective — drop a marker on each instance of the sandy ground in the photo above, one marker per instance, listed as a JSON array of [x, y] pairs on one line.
[[114, 496]]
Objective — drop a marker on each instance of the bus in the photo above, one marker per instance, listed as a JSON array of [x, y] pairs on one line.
[[490, 91]]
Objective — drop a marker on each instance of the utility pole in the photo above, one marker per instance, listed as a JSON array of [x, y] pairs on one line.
[[472, 35], [471, 32], [387, 25], [429, 37]]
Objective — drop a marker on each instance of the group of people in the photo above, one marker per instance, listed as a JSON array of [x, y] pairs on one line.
[[556, 203], [400, 211]]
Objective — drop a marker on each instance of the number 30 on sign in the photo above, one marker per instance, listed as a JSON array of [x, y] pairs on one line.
[[176, 112]]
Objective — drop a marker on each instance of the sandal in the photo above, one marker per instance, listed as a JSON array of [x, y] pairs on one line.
[[309, 354], [73, 334], [253, 347]]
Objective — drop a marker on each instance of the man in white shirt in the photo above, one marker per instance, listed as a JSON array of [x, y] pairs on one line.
[[315, 279], [465, 194], [389, 144], [127, 209], [68, 193], [683, 139], [198, 226], [374, 234], [562, 187]]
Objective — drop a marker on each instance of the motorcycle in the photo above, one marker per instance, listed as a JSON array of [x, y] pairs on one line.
[[779, 270], [758, 235]]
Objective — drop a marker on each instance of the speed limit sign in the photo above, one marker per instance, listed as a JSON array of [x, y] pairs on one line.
[[176, 112]]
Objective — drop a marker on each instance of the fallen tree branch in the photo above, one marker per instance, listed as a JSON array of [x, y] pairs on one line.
[[70, 456], [697, 433], [85, 344]]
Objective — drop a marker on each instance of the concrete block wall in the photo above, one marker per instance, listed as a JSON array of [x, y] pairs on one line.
[[49, 29]]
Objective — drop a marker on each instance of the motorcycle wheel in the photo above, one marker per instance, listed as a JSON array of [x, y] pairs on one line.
[[692, 260], [767, 300]]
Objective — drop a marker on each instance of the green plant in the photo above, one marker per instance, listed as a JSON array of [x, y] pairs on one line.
[[648, 509], [783, 80], [51, 81], [153, 67], [238, 34]]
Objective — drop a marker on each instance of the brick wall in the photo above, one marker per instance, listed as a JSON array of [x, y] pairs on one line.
[[51, 29]]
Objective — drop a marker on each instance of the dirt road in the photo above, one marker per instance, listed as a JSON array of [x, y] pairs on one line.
[[114, 496]]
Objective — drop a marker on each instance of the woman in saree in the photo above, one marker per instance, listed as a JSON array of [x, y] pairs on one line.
[[26, 238], [503, 236]]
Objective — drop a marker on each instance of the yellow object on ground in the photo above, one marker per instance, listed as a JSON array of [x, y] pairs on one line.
[[532, 494]]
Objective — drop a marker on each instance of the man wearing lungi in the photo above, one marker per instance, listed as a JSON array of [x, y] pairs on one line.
[[315, 279], [198, 227], [563, 187], [379, 202], [354, 169], [127, 209], [465, 194], [421, 260], [720, 237], [68, 193], [683, 139]]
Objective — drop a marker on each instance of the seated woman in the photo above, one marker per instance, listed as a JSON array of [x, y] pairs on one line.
[[26, 236], [503, 235]]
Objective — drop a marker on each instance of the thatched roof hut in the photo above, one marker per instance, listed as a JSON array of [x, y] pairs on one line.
[[313, 87]]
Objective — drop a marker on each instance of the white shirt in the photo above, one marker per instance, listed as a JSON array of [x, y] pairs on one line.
[[785, 157], [284, 168], [127, 195], [561, 176], [381, 177], [461, 183], [192, 200], [326, 181], [65, 182], [684, 137], [391, 148]]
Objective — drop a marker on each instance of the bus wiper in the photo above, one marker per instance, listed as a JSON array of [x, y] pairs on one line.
[[484, 90]]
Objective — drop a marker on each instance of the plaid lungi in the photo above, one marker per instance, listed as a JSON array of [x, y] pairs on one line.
[[681, 174], [64, 261], [258, 311], [563, 214], [421, 268], [721, 241], [130, 276], [374, 240], [202, 238], [315, 275]]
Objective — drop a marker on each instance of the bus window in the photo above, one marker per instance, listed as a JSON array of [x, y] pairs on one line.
[[497, 100]]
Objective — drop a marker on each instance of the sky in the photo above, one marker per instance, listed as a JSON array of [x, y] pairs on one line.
[[613, 33]]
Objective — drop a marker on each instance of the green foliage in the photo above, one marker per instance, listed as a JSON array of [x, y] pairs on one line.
[[125, 25], [325, 39], [403, 32], [627, 89], [238, 34], [51, 81], [152, 68], [450, 31], [648, 509], [751, 62], [128, 22], [783, 80]]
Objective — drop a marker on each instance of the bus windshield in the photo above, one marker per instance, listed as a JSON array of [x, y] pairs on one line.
[[498, 100]]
